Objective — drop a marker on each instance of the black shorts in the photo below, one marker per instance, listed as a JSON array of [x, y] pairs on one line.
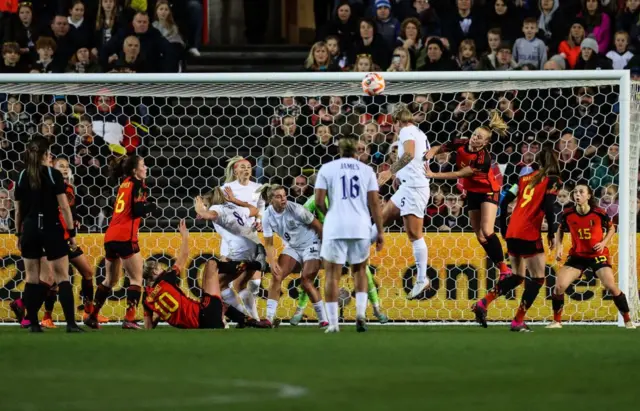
[[120, 249], [474, 200], [48, 241], [75, 253], [524, 248], [583, 263], [211, 311]]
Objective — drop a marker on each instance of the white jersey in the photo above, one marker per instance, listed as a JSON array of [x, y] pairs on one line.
[[292, 225], [347, 182], [412, 175], [234, 220], [248, 194]]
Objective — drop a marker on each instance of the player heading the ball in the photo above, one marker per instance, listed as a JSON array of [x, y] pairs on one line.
[[353, 193]]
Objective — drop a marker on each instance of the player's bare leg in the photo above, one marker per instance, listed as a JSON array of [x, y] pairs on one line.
[[113, 270], [413, 225], [607, 279], [287, 264], [60, 269], [564, 278], [333, 272], [133, 268], [361, 285], [536, 267], [483, 222], [86, 289], [309, 273]]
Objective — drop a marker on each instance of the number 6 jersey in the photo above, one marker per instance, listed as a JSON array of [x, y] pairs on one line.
[[129, 208]]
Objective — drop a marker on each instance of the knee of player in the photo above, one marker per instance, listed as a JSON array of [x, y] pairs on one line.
[[486, 232]]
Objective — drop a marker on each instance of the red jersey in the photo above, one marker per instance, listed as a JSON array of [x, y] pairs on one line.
[[71, 198], [528, 214], [166, 299], [127, 211], [586, 231], [484, 178]]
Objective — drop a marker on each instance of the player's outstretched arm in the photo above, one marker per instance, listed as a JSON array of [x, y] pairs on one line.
[[183, 254], [462, 173], [228, 194]]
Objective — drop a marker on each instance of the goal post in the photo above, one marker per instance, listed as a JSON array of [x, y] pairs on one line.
[[190, 124]]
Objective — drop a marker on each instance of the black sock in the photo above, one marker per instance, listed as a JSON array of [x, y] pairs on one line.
[[531, 289], [507, 284], [86, 291], [621, 303], [234, 315], [557, 303], [133, 299], [493, 248], [33, 298], [50, 299], [66, 301], [102, 293], [228, 267]]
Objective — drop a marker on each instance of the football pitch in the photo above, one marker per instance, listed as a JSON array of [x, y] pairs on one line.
[[386, 368]]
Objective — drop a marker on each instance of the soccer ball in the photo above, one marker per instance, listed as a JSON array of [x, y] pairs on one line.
[[373, 84]]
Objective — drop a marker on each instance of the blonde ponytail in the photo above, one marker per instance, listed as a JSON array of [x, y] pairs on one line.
[[266, 191], [214, 197], [402, 114], [497, 124]]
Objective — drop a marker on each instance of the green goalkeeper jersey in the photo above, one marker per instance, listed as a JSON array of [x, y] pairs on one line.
[[311, 206]]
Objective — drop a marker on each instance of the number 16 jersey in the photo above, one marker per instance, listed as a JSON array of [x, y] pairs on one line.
[[347, 182]]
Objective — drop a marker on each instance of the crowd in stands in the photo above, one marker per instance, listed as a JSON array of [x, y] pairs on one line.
[[301, 132]]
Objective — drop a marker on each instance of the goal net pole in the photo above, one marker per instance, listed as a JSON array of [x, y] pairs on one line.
[[203, 85]]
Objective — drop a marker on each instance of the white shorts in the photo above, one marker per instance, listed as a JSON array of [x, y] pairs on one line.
[[303, 254], [238, 249], [412, 200], [352, 251]]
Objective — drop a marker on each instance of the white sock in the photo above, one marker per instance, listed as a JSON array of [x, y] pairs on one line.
[[374, 233], [420, 253], [320, 311], [250, 303], [361, 304], [272, 306], [332, 312], [254, 286], [229, 297]]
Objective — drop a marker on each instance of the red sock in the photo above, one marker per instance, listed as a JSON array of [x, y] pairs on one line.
[[488, 299], [503, 267], [522, 311], [133, 298], [626, 317], [47, 316]]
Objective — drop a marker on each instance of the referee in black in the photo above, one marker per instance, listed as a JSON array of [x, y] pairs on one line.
[[40, 197]]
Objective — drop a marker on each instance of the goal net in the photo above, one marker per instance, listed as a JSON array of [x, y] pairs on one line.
[[187, 126]]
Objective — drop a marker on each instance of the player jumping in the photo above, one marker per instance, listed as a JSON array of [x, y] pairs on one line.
[[301, 232], [536, 194], [587, 225]]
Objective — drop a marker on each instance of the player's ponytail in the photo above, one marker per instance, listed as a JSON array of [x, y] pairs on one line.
[[267, 190], [547, 160], [348, 147], [229, 175], [123, 166], [402, 114], [496, 124], [37, 148], [214, 197]]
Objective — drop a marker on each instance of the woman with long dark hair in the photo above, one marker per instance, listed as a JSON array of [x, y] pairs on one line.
[[40, 197]]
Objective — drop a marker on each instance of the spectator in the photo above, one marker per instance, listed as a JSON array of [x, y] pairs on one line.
[[441, 163], [401, 60], [338, 56], [410, 39], [91, 154], [5, 199], [597, 23], [287, 107], [83, 62], [67, 41], [363, 152], [494, 38], [153, 46], [193, 26], [300, 190], [529, 49], [108, 122], [609, 201], [453, 219], [605, 169], [502, 60], [322, 147], [11, 60], [76, 18], [621, 55], [23, 30], [429, 22], [387, 25], [130, 59], [6, 222], [507, 17], [465, 23], [371, 43], [573, 166], [551, 23], [556, 62], [589, 58], [437, 205], [343, 25], [467, 58], [17, 124], [319, 58], [108, 23], [165, 24], [282, 154], [571, 46], [629, 20], [438, 57], [46, 48], [363, 64]]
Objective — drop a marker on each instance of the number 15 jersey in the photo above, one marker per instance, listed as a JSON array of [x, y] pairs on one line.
[[347, 182]]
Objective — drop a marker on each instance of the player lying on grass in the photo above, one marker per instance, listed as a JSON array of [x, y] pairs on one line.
[[301, 232], [587, 225], [372, 292], [164, 300]]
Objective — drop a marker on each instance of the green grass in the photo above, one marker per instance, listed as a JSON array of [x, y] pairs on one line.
[[387, 368]]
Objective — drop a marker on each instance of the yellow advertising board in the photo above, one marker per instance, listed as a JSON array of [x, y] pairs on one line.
[[458, 267]]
